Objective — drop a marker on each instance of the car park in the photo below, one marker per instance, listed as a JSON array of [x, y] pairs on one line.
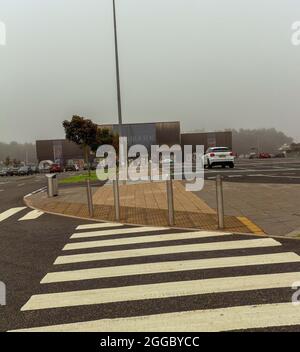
[[253, 156], [72, 167], [25, 171], [35, 169], [4, 172], [264, 155], [218, 156], [280, 155], [15, 170], [55, 168]]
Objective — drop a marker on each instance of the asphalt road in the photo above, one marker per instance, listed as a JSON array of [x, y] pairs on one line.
[[285, 171], [29, 249]]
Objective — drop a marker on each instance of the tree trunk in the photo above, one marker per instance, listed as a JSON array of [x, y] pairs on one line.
[[87, 159]]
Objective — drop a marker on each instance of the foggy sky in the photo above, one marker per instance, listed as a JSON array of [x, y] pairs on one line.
[[211, 64]]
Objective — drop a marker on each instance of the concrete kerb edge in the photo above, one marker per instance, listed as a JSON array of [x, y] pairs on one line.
[[130, 224]]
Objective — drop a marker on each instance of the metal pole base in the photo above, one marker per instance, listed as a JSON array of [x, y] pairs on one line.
[[171, 217], [90, 199], [116, 199], [220, 202]]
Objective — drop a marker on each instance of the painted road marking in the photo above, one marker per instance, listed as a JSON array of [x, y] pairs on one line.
[[21, 185], [160, 290], [98, 225], [8, 213], [198, 247], [251, 226], [159, 238], [209, 320], [165, 267], [32, 215], [117, 232]]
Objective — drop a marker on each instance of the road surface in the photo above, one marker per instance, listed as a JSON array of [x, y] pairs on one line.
[[120, 278]]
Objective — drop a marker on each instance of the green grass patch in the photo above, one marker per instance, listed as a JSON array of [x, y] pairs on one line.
[[82, 177]]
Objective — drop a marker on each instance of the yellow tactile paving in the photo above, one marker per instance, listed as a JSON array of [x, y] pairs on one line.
[[251, 226]]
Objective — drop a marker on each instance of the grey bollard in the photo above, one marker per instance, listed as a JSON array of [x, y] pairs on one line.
[[220, 202], [2, 294], [170, 202], [90, 198], [52, 181], [116, 199]]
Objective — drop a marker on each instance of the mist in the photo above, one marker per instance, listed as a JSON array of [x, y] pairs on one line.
[[210, 64]]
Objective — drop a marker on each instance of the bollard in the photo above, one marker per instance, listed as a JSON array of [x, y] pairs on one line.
[[116, 198], [2, 294], [220, 202], [52, 188], [90, 198], [170, 202]]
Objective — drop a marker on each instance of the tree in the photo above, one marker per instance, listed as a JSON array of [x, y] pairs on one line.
[[261, 140], [83, 132], [7, 161], [105, 136], [88, 135]]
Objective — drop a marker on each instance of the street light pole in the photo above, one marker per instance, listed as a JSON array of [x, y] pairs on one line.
[[117, 70], [116, 182]]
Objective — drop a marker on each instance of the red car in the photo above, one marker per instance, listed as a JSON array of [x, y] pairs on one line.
[[264, 156], [55, 168]]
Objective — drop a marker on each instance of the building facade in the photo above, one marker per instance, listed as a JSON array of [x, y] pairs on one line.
[[207, 139], [58, 150], [147, 134]]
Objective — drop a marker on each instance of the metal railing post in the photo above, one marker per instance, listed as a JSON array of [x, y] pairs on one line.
[[170, 202], [220, 202], [116, 198], [90, 198]]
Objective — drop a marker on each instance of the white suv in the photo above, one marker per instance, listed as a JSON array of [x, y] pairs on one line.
[[218, 156]]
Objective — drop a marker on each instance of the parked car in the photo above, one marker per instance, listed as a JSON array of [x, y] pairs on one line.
[[72, 167], [222, 156], [253, 156], [55, 168], [15, 170], [280, 155], [264, 155], [35, 169], [25, 171], [4, 172]]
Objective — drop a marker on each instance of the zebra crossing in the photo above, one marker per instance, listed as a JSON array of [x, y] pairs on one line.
[[115, 278], [30, 215]]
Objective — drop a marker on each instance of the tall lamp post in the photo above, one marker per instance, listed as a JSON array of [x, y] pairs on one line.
[[116, 182], [117, 69]]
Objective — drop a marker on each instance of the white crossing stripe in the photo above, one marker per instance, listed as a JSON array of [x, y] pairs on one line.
[[164, 267], [160, 290], [158, 238], [130, 253], [209, 320], [8, 213], [34, 214], [117, 232], [98, 225]]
